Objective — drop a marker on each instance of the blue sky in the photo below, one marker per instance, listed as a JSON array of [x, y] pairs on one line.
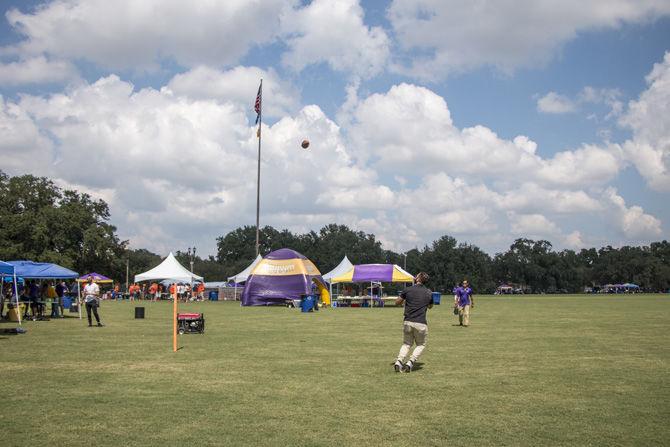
[[426, 117]]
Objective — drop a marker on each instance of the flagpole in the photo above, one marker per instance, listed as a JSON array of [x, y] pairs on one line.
[[258, 178]]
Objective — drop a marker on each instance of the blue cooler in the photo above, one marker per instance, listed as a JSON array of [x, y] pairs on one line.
[[436, 297], [307, 303]]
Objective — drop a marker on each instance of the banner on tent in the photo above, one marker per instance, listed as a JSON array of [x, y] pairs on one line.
[[285, 267]]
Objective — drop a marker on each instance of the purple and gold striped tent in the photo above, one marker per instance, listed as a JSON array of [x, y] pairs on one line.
[[374, 272], [282, 275]]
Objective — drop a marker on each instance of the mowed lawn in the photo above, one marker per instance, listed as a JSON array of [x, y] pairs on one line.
[[531, 370]]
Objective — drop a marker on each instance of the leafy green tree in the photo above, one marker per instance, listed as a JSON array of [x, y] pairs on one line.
[[41, 222]]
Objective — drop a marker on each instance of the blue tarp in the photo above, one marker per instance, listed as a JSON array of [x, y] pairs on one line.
[[41, 270], [6, 269]]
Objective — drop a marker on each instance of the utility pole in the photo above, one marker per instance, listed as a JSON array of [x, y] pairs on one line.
[[258, 107], [191, 256], [127, 264]]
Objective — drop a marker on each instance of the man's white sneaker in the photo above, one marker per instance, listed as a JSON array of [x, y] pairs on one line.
[[398, 366]]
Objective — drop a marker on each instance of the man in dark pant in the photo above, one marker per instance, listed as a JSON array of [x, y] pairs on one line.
[[417, 299], [92, 297]]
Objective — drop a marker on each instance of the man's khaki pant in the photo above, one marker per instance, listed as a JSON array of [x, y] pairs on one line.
[[413, 333], [464, 315]]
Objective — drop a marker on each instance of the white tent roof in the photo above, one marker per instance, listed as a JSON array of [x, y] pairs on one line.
[[344, 266], [244, 274], [170, 268]]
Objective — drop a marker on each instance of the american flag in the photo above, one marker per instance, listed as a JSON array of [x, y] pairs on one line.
[[257, 104]]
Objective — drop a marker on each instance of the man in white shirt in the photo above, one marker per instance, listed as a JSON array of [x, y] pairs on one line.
[[92, 300]]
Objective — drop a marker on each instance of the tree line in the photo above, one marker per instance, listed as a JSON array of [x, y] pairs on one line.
[[43, 222]]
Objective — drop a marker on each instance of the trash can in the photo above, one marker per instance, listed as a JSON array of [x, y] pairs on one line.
[[307, 303], [139, 312], [67, 302], [436, 297], [213, 295]]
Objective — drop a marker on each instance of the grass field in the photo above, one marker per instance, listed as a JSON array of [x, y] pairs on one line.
[[531, 370]]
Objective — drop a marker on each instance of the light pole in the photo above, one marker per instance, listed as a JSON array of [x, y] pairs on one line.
[[191, 255], [405, 263]]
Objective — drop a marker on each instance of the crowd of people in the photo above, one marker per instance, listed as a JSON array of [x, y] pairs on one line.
[[44, 299], [157, 291], [36, 296]]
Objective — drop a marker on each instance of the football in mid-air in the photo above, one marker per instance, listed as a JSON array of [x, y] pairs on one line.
[[305, 144]]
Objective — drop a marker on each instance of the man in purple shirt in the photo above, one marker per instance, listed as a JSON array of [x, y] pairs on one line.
[[463, 300]]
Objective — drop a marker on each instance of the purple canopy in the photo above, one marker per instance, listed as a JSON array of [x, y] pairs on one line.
[[97, 277], [374, 272], [281, 276]]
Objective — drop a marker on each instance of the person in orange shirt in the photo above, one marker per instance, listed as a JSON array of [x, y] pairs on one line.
[[201, 291], [153, 288], [172, 289]]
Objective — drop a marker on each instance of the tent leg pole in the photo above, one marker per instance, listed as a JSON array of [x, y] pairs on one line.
[[16, 296], [174, 319], [79, 298]]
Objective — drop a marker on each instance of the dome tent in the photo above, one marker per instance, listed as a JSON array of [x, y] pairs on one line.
[[283, 275]]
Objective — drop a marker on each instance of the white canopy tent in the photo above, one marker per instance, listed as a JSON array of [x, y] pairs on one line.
[[244, 274], [344, 266], [170, 268]]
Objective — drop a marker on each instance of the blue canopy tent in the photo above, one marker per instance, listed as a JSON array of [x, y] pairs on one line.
[[8, 270], [42, 270]]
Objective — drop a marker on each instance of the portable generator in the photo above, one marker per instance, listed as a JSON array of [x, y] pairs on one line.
[[191, 323]]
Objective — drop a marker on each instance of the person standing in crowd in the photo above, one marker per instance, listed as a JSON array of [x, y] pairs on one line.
[[35, 299], [53, 299], [417, 300], [61, 290], [6, 296], [92, 300], [24, 297], [463, 300]]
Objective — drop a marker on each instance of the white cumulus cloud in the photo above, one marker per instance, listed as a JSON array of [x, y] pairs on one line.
[[239, 86], [334, 33], [443, 36], [553, 102], [632, 221], [140, 35], [37, 70], [649, 119]]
